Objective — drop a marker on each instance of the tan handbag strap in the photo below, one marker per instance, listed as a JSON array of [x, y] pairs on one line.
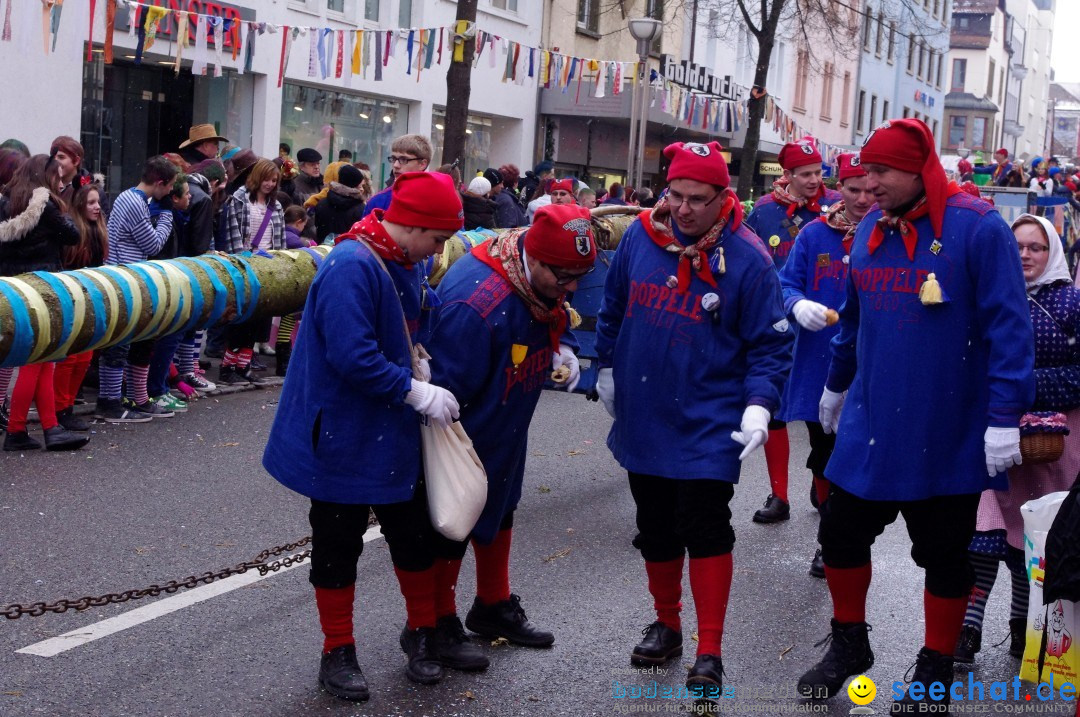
[[416, 352]]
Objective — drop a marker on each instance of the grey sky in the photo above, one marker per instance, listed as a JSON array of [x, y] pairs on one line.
[[1063, 56]]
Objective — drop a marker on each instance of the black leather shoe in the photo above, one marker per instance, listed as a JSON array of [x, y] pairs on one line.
[[59, 438], [453, 647], [283, 352], [969, 643], [340, 675], [817, 565], [707, 675], [774, 511], [251, 378], [256, 364], [660, 644], [849, 654], [930, 667], [70, 421], [423, 666], [506, 619], [1017, 636], [20, 441]]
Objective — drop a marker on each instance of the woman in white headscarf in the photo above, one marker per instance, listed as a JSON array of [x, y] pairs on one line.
[[1055, 315]]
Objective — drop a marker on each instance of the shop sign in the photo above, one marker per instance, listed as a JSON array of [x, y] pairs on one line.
[[167, 26], [924, 98], [697, 78], [770, 168]]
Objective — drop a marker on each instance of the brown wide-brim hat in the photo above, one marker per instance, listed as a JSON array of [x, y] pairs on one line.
[[201, 133]]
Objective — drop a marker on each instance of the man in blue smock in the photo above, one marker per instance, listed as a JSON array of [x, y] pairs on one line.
[[935, 358]]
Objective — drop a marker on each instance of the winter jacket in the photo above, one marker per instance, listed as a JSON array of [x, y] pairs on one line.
[[237, 236], [1055, 318], [198, 235], [32, 240], [294, 240], [304, 186], [479, 212], [132, 235], [343, 207], [381, 200], [508, 213]]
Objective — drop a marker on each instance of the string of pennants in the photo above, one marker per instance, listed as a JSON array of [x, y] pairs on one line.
[[343, 54]]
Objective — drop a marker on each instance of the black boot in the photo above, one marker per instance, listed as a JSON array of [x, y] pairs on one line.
[[3, 415], [284, 353], [59, 438], [707, 675], [969, 642], [70, 421], [1017, 636], [849, 654], [452, 646], [228, 376], [423, 666], [930, 667], [817, 565], [774, 511], [506, 619], [20, 441], [248, 376], [340, 675], [661, 643]]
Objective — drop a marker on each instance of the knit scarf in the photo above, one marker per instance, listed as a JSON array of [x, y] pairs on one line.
[[785, 198], [693, 258], [371, 230], [905, 224], [503, 254], [837, 218]]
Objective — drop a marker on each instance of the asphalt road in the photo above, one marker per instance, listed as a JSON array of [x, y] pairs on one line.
[[144, 504]]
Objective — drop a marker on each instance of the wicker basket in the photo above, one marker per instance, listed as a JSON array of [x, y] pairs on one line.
[[1036, 448]]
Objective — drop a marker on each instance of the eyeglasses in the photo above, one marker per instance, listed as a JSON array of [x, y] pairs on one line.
[[1033, 248], [676, 200], [564, 279], [400, 159]]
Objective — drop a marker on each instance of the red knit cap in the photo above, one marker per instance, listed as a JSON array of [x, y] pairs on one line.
[[799, 154], [849, 165], [908, 146], [971, 188], [561, 235], [701, 162], [567, 185], [427, 200], [1002, 151]]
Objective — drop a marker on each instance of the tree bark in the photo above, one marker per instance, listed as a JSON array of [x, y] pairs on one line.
[[458, 88], [766, 40]]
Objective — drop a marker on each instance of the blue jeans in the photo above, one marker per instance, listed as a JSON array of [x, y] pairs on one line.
[[157, 382]]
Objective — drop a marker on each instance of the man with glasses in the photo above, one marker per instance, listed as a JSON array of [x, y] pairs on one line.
[[798, 198], [693, 351], [502, 330], [408, 153], [309, 180]]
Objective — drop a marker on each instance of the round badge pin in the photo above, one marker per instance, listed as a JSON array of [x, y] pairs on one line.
[[672, 282], [774, 241], [710, 302]]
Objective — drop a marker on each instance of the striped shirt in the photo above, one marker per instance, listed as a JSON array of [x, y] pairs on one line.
[[132, 237]]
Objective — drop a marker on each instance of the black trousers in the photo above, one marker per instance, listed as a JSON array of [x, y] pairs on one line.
[[247, 334], [821, 448], [337, 537], [678, 517], [940, 530]]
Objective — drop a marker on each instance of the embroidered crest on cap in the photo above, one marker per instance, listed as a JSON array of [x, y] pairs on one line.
[[700, 150], [855, 160], [806, 148], [582, 240]]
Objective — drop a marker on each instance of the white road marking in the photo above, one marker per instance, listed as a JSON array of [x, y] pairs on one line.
[[69, 640]]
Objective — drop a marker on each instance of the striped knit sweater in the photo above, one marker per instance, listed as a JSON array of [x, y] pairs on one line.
[[132, 236]]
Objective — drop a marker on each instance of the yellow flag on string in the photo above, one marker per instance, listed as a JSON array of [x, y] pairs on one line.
[[459, 43], [356, 52]]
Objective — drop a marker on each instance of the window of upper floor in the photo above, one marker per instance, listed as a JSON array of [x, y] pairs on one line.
[[588, 16]]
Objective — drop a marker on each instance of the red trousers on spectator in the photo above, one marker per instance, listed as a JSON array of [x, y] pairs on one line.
[[68, 377], [34, 384]]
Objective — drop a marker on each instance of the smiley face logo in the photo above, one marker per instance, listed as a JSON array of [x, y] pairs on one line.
[[862, 690]]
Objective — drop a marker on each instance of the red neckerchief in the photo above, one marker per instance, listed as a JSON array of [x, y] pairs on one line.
[[905, 224], [657, 223], [785, 198], [370, 229], [503, 254], [837, 218]]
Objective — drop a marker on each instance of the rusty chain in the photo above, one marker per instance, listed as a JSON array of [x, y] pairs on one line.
[[13, 612]]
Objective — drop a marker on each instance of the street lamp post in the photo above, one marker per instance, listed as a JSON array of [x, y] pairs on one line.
[[645, 30]]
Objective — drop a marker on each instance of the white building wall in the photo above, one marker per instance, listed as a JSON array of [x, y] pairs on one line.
[[1034, 105]]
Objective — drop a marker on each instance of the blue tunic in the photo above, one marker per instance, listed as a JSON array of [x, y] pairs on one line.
[[924, 382], [472, 337], [769, 219], [379, 200], [683, 375], [817, 270], [342, 432]]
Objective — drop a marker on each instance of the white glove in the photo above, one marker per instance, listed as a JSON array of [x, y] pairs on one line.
[[753, 431], [433, 401], [565, 357], [809, 314], [424, 369], [1002, 447], [605, 388], [829, 410]]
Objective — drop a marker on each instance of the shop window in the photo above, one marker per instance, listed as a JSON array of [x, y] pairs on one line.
[[588, 15], [477, 143], [330, 121]]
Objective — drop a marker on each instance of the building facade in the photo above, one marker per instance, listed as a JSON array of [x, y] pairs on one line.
[[981, 46], [1065, 121]]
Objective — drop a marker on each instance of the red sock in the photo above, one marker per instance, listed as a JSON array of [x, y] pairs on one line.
[[777, 452], [944, 618], [710, 582], [418, 589], [848, 587], [446, 576], [335, 615], [665, 585], [493, 569], [821, 488], [232, 358], [244, 358]]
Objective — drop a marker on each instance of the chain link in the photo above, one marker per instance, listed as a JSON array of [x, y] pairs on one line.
[[13, 612]]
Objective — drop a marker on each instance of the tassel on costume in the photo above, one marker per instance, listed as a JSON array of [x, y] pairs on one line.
[[575, 317], [930, 291], [721, 266]]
